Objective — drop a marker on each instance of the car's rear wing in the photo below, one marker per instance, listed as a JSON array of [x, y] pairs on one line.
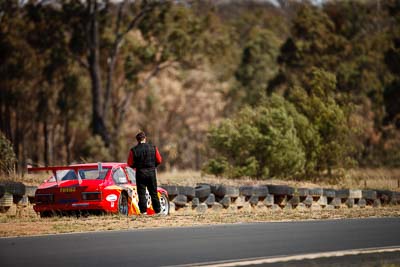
[[75, 168]]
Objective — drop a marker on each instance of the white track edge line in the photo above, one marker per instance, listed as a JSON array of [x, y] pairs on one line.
[[308, 256]]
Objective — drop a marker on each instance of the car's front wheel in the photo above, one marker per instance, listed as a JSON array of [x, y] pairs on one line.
[[164, 204], [123, 204]]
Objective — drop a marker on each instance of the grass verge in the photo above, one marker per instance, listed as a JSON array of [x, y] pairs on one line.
[[33, 225]]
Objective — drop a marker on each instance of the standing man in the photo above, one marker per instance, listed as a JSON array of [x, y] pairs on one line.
[[145, 158]]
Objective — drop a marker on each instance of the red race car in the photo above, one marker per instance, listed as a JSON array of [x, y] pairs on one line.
[[92, 188]]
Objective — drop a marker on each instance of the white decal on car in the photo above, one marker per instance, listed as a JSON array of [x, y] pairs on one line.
[[111, 198]]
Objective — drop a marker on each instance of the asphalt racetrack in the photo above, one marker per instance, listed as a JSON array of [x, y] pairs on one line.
[[199, 245]]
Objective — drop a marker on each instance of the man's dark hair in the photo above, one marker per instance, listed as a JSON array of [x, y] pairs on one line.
[[140, 136]]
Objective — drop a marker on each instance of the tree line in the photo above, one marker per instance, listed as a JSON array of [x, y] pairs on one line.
[[235, 88]]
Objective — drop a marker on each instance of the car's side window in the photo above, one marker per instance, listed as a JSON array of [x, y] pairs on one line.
[[119, 176], [131, 174]]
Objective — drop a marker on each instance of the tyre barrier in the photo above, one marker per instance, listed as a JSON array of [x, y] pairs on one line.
[[203, 198], [217, 197], [15, 196]]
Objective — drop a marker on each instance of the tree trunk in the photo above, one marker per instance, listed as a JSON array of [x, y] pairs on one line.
[[67, 140], [98, 123], [46, 142]]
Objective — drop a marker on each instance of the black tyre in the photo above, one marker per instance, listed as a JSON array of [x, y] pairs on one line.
[[229, 191], [246, 190], [260, 191], [369, 194], [315, 192], [226, 202], [202, 191], [188, 191], [164, 204], [330, 193], [294, 201], [123, 204], [384, 196], [344, 193], [180, 200], [253, 200], [15, 188], [171, 189], [301, 192], [281, 190]]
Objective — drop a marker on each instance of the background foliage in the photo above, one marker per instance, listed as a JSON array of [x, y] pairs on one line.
[[236, 88]]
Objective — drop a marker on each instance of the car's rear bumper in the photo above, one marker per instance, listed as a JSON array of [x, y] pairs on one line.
[[77, 206]]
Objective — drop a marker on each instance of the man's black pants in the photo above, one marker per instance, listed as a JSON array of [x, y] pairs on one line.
[[147, 179]]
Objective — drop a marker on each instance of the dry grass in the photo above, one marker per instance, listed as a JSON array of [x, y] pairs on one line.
[[372, 179], [30, 224], [355, 178]]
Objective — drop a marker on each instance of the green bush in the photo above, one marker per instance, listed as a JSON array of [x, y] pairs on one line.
[[7, 155], [217, 166], [259, 142], [329, 121]]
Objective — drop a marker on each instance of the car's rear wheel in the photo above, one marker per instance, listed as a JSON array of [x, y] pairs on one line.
[[164, 204], [123, 204]]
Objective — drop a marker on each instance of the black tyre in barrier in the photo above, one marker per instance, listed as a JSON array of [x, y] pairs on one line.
[[172, 190], [315, 192], [260, 191], [180, 200], [15, 188], [188, 191], [202, 191], [246, 190], [226, 202], [281, 190], [329, 193], [253, 200], [396, 198], [301, 192], [384, 196], [294, 201], [223, 190], [369, 194], [343, 193], [231, 191]]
